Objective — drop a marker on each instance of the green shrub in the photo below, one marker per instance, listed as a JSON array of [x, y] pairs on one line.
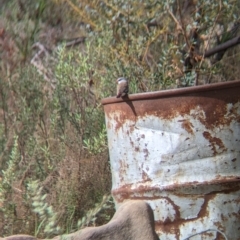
[[158, 44]]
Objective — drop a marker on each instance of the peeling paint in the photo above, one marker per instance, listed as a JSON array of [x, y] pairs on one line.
[[179, 150]]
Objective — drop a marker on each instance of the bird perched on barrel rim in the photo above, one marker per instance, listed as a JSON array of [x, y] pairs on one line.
[[122, 87]]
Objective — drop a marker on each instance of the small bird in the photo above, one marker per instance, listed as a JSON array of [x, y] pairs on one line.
[[122, 87]]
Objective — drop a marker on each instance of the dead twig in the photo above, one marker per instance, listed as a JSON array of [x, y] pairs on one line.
[[76, 41], [222, 47]]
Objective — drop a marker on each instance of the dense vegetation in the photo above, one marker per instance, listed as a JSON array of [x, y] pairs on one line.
[[58, 59]]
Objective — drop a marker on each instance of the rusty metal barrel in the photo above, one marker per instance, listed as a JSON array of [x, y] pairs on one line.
[[179, 150]]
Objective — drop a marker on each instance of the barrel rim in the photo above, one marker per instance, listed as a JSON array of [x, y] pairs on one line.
[[172, 92]]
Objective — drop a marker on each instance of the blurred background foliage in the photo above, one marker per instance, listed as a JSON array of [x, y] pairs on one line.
[[58, 59]]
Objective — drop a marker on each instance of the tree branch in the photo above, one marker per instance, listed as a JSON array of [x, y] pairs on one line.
[[222, 47]]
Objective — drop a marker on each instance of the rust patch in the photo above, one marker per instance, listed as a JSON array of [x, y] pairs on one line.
[[215, 142], [137, 149], [123, 169], [145, 176], [118, 116], [131, 142], [224, 218], [172, 228], [209, 235], [188, 126], [225, 186], [210, 108], [168, 225], [146, 152], [176, 208]]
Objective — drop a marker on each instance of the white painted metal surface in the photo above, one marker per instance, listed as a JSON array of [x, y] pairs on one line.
[[184, 163]]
